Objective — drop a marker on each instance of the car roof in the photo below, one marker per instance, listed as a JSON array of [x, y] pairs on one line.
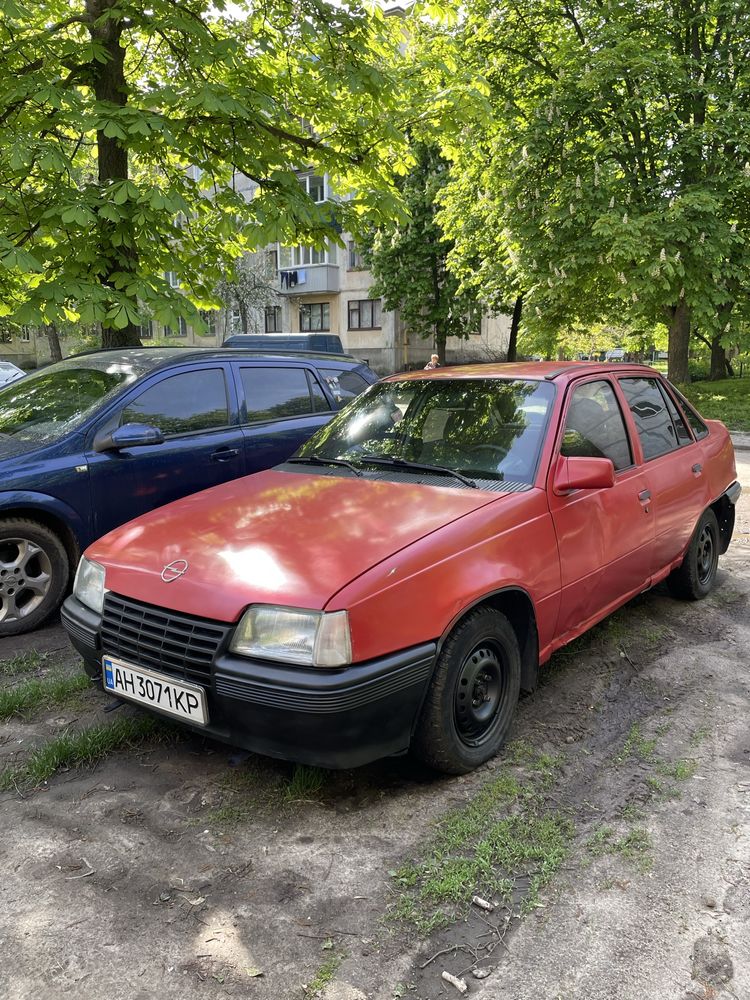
[[156, 357], [530, 370]]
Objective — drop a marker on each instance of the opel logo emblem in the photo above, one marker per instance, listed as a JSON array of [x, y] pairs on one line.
[[174, 570]]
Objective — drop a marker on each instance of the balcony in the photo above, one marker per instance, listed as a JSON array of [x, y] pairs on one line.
[[309, 280]]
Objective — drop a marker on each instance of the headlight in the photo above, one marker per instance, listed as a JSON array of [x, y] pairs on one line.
[[313, 638], [89, 585]]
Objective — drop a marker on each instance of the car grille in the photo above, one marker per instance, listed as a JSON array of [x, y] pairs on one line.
[[153, 637]]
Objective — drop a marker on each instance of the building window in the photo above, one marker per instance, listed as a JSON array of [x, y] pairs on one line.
[[301, 257], [235, 320], [273, 319], [209, 318], [272, 259], [146, 330], [315, 186], [171, 278], [355, 262], [25, 334], [182, 328], [315, 316], [364, 314]]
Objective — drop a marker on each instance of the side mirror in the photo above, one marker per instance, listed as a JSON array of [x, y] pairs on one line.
[[128, 436], [583, 474]]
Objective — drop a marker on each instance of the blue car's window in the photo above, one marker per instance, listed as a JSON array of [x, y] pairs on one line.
[[483, 428], [183, 403], [40, 409], [272, 393], [344, 385]]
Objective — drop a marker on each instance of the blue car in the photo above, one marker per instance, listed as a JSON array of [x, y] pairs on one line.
[[97, 439]]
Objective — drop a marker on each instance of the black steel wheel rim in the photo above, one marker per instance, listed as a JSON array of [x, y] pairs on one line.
[[705, 554], [480, 693]]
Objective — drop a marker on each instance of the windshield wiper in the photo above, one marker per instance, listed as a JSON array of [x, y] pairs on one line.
[[316, 460], [403, 463]]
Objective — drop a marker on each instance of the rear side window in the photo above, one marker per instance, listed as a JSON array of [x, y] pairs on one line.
[[683, 434], [653, 420], [594, 427], [344, 385], [699, 428], [274, 393], [181, 404]]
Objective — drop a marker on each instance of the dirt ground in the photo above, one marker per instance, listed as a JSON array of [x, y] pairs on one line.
[[182, 869]]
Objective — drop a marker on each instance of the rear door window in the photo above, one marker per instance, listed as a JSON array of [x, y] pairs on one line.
[[656, 428], [275, 393]]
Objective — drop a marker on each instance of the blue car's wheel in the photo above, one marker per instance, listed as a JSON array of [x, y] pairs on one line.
[[34, 573]]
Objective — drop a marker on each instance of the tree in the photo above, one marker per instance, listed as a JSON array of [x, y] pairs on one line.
[[126, 128], [409, 260], [615, 162], [250, 290]]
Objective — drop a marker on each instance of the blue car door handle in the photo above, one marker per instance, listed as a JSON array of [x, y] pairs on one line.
[[224, 454]]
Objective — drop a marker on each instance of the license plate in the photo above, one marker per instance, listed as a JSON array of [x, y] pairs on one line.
[[185, 701]]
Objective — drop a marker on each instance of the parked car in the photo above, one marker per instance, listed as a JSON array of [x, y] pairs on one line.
[[9, 373], [327, 342], [397, 582], [95, 440]]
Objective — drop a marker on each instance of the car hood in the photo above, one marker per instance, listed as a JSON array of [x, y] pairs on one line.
[[272, 538]]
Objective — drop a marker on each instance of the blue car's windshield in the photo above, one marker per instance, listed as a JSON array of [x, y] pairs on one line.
[[42, 407], [482, 428]]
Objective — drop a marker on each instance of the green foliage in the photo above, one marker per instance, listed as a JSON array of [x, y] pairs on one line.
[[727, 400], [612, 178], [409, 260], [139, 141]]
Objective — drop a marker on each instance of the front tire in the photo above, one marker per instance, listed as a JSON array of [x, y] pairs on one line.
[[470, 703], [34, 573], [695, 576]]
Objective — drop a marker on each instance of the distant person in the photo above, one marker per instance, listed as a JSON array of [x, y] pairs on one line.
[[434, 362]]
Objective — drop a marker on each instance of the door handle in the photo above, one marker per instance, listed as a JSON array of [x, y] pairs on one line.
[[224, 454], [644, 496], [697, 469]]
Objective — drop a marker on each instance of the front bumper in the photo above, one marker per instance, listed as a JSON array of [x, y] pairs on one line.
[[329, 718]]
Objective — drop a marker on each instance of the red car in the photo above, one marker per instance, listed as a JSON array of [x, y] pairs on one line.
[[395, 584]]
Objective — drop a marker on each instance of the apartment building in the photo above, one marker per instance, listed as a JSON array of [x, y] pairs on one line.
[[309, 290]]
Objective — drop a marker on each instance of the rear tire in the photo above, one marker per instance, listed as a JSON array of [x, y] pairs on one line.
[[34, 574], [695, 576], [470, 703]]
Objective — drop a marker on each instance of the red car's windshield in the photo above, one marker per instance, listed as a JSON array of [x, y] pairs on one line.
[[482, 428]]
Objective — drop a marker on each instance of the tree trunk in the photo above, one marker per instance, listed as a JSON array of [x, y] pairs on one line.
[[718, 360], [55, 351], [440, 338], [679, 342], [110, 87], [514, 325]]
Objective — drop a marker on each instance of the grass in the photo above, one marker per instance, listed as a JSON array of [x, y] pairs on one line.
[[680, 770], [24, 663], [323, 976], [727, 400], [80, 747], [31, 695], [305, 784], [634, 846], [636, 746], [502, 845]]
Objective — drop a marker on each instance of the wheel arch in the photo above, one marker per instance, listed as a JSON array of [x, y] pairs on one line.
[[518, 607]]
